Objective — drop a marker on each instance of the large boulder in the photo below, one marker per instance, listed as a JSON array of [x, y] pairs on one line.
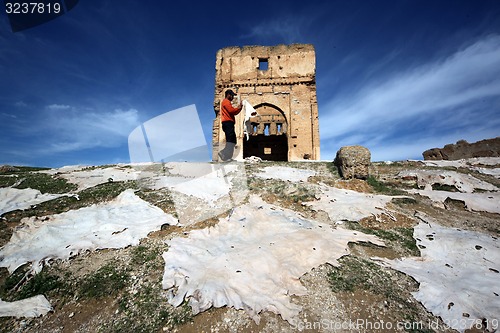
[[463, 149], [7, 168], [353, 162]]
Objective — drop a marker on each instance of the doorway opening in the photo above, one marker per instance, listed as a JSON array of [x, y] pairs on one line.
[[268, 134]]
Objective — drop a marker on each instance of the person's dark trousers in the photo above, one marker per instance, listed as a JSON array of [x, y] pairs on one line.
[[227, 152]]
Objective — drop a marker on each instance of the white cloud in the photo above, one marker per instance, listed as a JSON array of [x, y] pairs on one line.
[[410, 147], [445, 96], [77, 129], [8, 115], [287, 29], [58, 107]]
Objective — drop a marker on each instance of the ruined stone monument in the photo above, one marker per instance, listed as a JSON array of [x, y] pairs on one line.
[[280, 83]]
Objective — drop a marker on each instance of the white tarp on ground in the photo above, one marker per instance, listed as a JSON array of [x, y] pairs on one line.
[[462, 182], [116, 224], [286, 174], [64, 169], [464, 163], [487, 171], [477, 201], [475, 164], [12, 198], [30, 307], [459, 274], [93, 177], [252, 260], [205, 181], [348, 205], [200, 190]]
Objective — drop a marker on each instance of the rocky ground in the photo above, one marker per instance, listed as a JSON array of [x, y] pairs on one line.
[[120, 290]]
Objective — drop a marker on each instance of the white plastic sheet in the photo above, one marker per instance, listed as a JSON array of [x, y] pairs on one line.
[[92, 177], [286, 174], [458, 274], [487, 199], [348, 205], [475, 164], [116, 224], [30, 307], [12, 198], [202, 190], [249, 112], [462, 182], [252, 260]]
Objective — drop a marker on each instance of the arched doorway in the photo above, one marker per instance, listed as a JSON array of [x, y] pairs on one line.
[[267, 134]]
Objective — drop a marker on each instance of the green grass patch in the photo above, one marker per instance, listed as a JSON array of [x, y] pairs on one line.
[[400, 239], [407, 241], [148, 311], [302, 194], [357, 273], [404, 201], [41, 283], [8, 180], [107, 280], [19, 285], [20, 169], [383, 188], [11, 281], [443, 187], [160, 198], [105, 166], [333, 169], [277, 187], [46, 183], [141, 254], [104, 192], [384, 234]]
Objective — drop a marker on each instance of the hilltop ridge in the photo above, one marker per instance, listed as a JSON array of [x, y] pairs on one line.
[[135, 285]]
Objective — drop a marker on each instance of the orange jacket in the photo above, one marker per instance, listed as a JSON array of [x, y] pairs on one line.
[[227, 111]]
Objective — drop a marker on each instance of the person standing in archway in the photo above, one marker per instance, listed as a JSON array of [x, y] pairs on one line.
[[227, 114]]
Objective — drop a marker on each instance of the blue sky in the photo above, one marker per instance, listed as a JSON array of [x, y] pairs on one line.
[[398, 77]]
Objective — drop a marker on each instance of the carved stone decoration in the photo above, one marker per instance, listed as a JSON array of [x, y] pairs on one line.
[[280, 83]]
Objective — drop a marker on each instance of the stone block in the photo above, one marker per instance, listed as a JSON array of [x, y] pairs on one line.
[[353, 162]]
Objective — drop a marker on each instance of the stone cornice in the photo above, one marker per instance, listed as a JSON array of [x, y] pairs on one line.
[[267, 82]]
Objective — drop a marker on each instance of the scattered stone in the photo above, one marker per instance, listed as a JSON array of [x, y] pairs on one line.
[[353, 162]]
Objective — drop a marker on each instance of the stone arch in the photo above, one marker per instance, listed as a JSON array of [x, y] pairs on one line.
[[268, 137]]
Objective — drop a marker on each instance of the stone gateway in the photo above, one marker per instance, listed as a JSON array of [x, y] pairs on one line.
[[280, 83]]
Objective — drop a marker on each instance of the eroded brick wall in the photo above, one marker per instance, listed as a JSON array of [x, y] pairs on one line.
[[280, 77]]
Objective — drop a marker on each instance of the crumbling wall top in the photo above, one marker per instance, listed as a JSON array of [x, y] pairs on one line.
[[249, 63]]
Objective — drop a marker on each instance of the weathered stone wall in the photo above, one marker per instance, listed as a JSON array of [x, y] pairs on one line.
[[463, 149], [288, 84]]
